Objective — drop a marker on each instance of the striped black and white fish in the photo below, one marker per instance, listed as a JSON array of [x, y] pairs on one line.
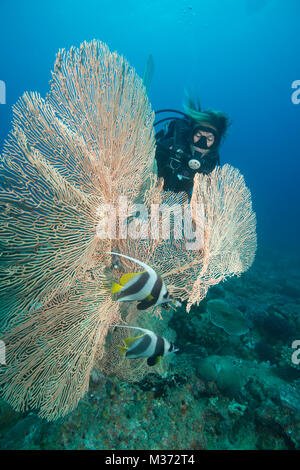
[[147, 286], [148, 345]]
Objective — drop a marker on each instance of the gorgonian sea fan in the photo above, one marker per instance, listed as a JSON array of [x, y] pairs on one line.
[[90, 142]]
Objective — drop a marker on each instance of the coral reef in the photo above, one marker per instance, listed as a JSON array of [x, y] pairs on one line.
[[68, 158], [260, 411], [227, 317]]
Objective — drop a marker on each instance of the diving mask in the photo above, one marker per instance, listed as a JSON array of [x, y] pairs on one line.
[[204, 140]]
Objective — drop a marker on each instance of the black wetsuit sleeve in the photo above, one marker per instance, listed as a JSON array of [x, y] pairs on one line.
[[181, 135], [162, 155]]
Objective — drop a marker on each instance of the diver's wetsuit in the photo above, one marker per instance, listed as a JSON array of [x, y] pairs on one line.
[[173, 154]]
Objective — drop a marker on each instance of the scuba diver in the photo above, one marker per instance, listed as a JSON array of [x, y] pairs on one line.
[[189, 145]]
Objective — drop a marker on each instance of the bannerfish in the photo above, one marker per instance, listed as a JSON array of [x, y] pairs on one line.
[[145, 286], [148, 345]]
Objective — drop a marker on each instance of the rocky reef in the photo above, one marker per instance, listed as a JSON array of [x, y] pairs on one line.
[[227, 388]]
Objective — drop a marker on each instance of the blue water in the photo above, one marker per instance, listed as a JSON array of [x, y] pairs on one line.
[[238, 56]]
